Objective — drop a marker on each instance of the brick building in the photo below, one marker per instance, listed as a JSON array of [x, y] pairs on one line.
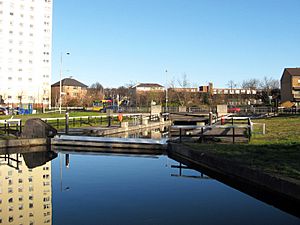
[[290, 85]]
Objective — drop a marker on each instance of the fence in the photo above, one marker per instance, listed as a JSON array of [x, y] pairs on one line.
[[11, 126], [211, 131], [14, 126]]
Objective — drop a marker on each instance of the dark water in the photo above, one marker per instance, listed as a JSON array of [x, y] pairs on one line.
[[117, 190]]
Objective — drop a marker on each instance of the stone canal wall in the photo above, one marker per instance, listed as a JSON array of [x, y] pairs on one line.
[[274, 190], [15, 143]]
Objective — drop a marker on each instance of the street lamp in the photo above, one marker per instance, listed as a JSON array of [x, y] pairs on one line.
[[60, 71]]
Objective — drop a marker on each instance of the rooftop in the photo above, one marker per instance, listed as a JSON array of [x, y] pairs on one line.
[[148, 85], [293, 71], [69, 82]]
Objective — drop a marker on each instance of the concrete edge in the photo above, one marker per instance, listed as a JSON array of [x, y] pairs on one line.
[[13, 143], [229, 168]]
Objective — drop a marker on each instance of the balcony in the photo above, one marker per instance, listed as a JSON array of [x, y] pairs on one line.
[[297, 88], [297, 97]]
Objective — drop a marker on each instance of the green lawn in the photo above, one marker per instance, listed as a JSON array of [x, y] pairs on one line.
[[276, 152], [52, 115], [279, 130], [60, 124]]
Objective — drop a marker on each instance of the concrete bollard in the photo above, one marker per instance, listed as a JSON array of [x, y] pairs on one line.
[[124, 125], [145, 121], [161, 120]]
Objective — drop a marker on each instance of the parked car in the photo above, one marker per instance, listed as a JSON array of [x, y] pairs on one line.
[[3, 111], [234, 110]]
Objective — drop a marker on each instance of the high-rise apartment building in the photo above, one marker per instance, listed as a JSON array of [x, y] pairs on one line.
[[25, 52]]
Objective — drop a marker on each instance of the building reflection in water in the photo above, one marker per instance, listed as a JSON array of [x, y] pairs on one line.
[[25, 188]]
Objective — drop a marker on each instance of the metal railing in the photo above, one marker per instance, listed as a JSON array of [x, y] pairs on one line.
[[199, 131]]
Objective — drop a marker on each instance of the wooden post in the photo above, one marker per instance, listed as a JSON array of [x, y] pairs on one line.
[[179, 135], [67, 123], [201, 138], [210, 118], [233, 135], [232, 121], [17, 127], [57, 123], [249, 132], [20, 126]]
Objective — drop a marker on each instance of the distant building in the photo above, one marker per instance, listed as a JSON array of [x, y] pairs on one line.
[[25, 52], [145, 87], [226, 91], [71, 88], [142, 94], [290, 85], [233, 96], [193, 90]]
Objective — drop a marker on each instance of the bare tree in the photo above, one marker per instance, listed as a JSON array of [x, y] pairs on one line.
[[96, 91], [269, 83], [251, 84], [268, 86], [231, 84]]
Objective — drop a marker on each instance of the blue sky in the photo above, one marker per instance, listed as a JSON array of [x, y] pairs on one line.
[[117, 42]]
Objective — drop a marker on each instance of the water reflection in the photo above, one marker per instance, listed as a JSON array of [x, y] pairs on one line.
[[181, 168], [25, 187], [109, 189]]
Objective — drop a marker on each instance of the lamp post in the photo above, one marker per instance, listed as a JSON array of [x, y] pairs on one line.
[[60, 73], [166, 90]]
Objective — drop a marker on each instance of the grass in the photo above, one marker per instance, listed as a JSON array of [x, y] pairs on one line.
[[277, 152], [60, 125], [279, 130], [52, 115]]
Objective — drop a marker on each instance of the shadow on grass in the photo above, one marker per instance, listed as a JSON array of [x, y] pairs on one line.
[[277, 159]]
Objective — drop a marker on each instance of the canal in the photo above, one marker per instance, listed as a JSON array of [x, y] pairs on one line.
[[120, 189]]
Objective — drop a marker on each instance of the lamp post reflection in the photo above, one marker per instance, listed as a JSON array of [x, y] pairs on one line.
[[67, 164]]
